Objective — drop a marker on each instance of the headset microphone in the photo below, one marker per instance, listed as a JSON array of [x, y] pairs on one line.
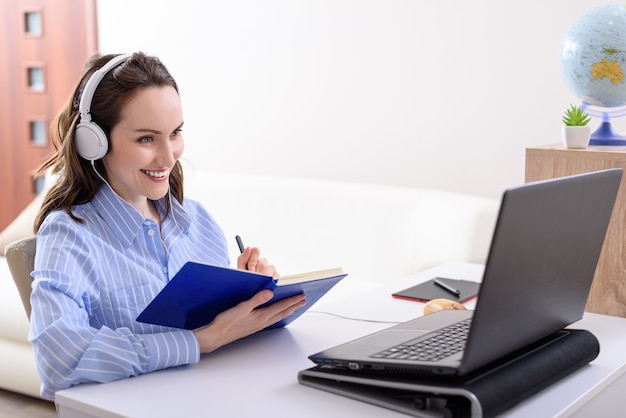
[[89, 139]]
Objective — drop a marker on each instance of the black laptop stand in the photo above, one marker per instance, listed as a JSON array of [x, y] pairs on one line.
[[485, 393]]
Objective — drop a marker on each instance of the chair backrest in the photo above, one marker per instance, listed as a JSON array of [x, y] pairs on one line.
[[20, 257]]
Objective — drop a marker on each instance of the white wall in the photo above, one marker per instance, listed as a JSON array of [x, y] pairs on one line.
[[409, 92]]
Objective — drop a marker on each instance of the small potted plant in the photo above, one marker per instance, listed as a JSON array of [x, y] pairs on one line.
[[576, 133]]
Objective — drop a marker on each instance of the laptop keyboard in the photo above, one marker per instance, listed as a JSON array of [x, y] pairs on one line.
[[444, 343]]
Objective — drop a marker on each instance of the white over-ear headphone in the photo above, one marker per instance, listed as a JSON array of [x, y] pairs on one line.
[[89, 139]]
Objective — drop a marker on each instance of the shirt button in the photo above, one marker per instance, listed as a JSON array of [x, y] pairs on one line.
[[147, 223], [164, 269], [151, 232]]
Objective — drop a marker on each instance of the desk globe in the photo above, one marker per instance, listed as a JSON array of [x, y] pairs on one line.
[[593, 65]]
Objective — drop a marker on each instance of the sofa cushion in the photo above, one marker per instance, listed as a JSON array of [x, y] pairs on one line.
[[375, 233], [22, 226], [13, 320]]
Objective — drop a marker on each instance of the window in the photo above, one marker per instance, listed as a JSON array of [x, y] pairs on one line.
[[37, 130], [35, 79], [32, 23], [38, 184]]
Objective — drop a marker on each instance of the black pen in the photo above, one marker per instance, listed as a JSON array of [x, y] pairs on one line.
[[242, 248], [450, 289]]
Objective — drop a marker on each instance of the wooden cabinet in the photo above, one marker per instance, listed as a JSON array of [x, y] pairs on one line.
[[608, 291]]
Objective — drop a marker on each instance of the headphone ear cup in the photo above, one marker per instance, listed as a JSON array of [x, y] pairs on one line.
[[90, 141]]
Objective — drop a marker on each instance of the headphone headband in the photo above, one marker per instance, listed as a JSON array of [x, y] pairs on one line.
[[92, 84]]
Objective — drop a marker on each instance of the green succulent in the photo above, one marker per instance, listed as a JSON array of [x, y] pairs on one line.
[[575, 116]]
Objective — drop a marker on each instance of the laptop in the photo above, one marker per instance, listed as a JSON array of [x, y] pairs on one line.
[[544, 251]]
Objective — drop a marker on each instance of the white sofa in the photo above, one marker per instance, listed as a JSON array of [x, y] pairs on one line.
[[375, 233]]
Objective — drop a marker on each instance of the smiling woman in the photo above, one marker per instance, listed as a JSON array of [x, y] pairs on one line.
[[109, 87], [145, 146], [114, 229]]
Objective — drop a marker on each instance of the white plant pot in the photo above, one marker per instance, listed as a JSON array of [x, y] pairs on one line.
[[576, 136]]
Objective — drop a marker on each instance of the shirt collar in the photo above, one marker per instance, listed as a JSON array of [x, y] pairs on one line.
[[126, 222], [178, 215]]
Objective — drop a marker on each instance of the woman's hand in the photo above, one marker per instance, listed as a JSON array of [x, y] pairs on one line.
[[245, 319], [250, 259]]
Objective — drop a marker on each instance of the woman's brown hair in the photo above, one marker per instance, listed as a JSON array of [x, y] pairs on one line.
[[77, 180]]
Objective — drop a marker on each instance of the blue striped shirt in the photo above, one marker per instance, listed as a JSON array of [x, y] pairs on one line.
[[91, 281]]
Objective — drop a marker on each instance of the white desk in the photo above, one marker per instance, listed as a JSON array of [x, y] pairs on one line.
[[258, 375]]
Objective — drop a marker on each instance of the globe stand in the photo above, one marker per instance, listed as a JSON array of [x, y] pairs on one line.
[[605, 134]]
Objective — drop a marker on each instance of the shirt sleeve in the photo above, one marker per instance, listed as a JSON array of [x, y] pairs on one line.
[[68, 349]]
